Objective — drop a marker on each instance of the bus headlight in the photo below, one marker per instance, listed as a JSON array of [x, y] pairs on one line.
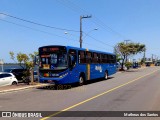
[[63, 75]]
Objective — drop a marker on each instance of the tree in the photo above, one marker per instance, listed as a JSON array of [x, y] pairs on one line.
[[25, 61], [125, 50], [118, 57]]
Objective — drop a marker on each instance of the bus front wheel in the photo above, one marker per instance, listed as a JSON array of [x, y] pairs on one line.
[[106, 75], [81, 80]]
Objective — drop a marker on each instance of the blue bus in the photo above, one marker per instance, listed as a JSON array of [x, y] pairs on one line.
[[66, 64]]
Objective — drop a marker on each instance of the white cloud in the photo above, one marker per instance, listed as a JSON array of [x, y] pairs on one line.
[[2, 16]]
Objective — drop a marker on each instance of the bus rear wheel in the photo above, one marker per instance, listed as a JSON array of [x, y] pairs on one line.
[[81, 81], [106, 75]]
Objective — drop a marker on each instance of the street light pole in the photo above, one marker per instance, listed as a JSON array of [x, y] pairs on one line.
[[81, 17], [86, 34]]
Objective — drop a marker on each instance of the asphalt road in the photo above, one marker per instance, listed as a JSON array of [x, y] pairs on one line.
[[136, 90]]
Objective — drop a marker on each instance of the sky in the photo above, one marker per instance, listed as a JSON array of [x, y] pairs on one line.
[[111, 22]]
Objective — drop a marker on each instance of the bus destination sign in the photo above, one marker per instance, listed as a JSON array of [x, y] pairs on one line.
[[50, 49]]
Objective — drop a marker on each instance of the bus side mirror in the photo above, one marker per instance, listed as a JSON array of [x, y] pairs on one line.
[[36, 60]]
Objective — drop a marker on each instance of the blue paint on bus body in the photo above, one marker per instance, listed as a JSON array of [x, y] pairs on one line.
[[68, 75]]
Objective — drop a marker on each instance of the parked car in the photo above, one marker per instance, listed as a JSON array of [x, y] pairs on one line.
[[157, 64], [7, 79], [148, 64], [19, 73]]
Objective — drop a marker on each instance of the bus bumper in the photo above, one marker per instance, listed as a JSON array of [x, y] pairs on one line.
[[55, 81]]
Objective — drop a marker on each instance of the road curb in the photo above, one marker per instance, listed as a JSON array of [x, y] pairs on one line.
[[23, 88]]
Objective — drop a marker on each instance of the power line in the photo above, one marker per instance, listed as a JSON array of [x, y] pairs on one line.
[[76, 8], [97, 21], [100, 41], [44, 32], [24, 20], [46, 25], [104, 26], [33, 29]]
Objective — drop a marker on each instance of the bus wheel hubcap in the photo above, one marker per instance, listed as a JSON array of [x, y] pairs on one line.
[[81, 80], [106, 75]]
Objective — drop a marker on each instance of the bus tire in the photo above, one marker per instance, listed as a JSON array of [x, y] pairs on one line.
[[81, 80], [106, 75]]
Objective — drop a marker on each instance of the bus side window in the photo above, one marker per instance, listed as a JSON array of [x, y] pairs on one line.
[[109, 59], [103, 58], [115, 59], [72, 57], [95, 58], [100, 58], [106, 58], [112, 59], [81, 55], [88, 57]]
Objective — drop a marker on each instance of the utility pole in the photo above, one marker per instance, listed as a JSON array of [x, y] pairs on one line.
[[81, 17]]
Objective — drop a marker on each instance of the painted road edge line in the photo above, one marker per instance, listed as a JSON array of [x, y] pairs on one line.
[[89, 99]]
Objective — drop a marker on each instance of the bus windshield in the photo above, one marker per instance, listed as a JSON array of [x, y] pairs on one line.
[[54, 61]]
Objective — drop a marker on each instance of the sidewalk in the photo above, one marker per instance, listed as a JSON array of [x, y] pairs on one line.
[[20, 86]]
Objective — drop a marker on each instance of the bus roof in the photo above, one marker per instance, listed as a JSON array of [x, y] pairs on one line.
[[68, 47]]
